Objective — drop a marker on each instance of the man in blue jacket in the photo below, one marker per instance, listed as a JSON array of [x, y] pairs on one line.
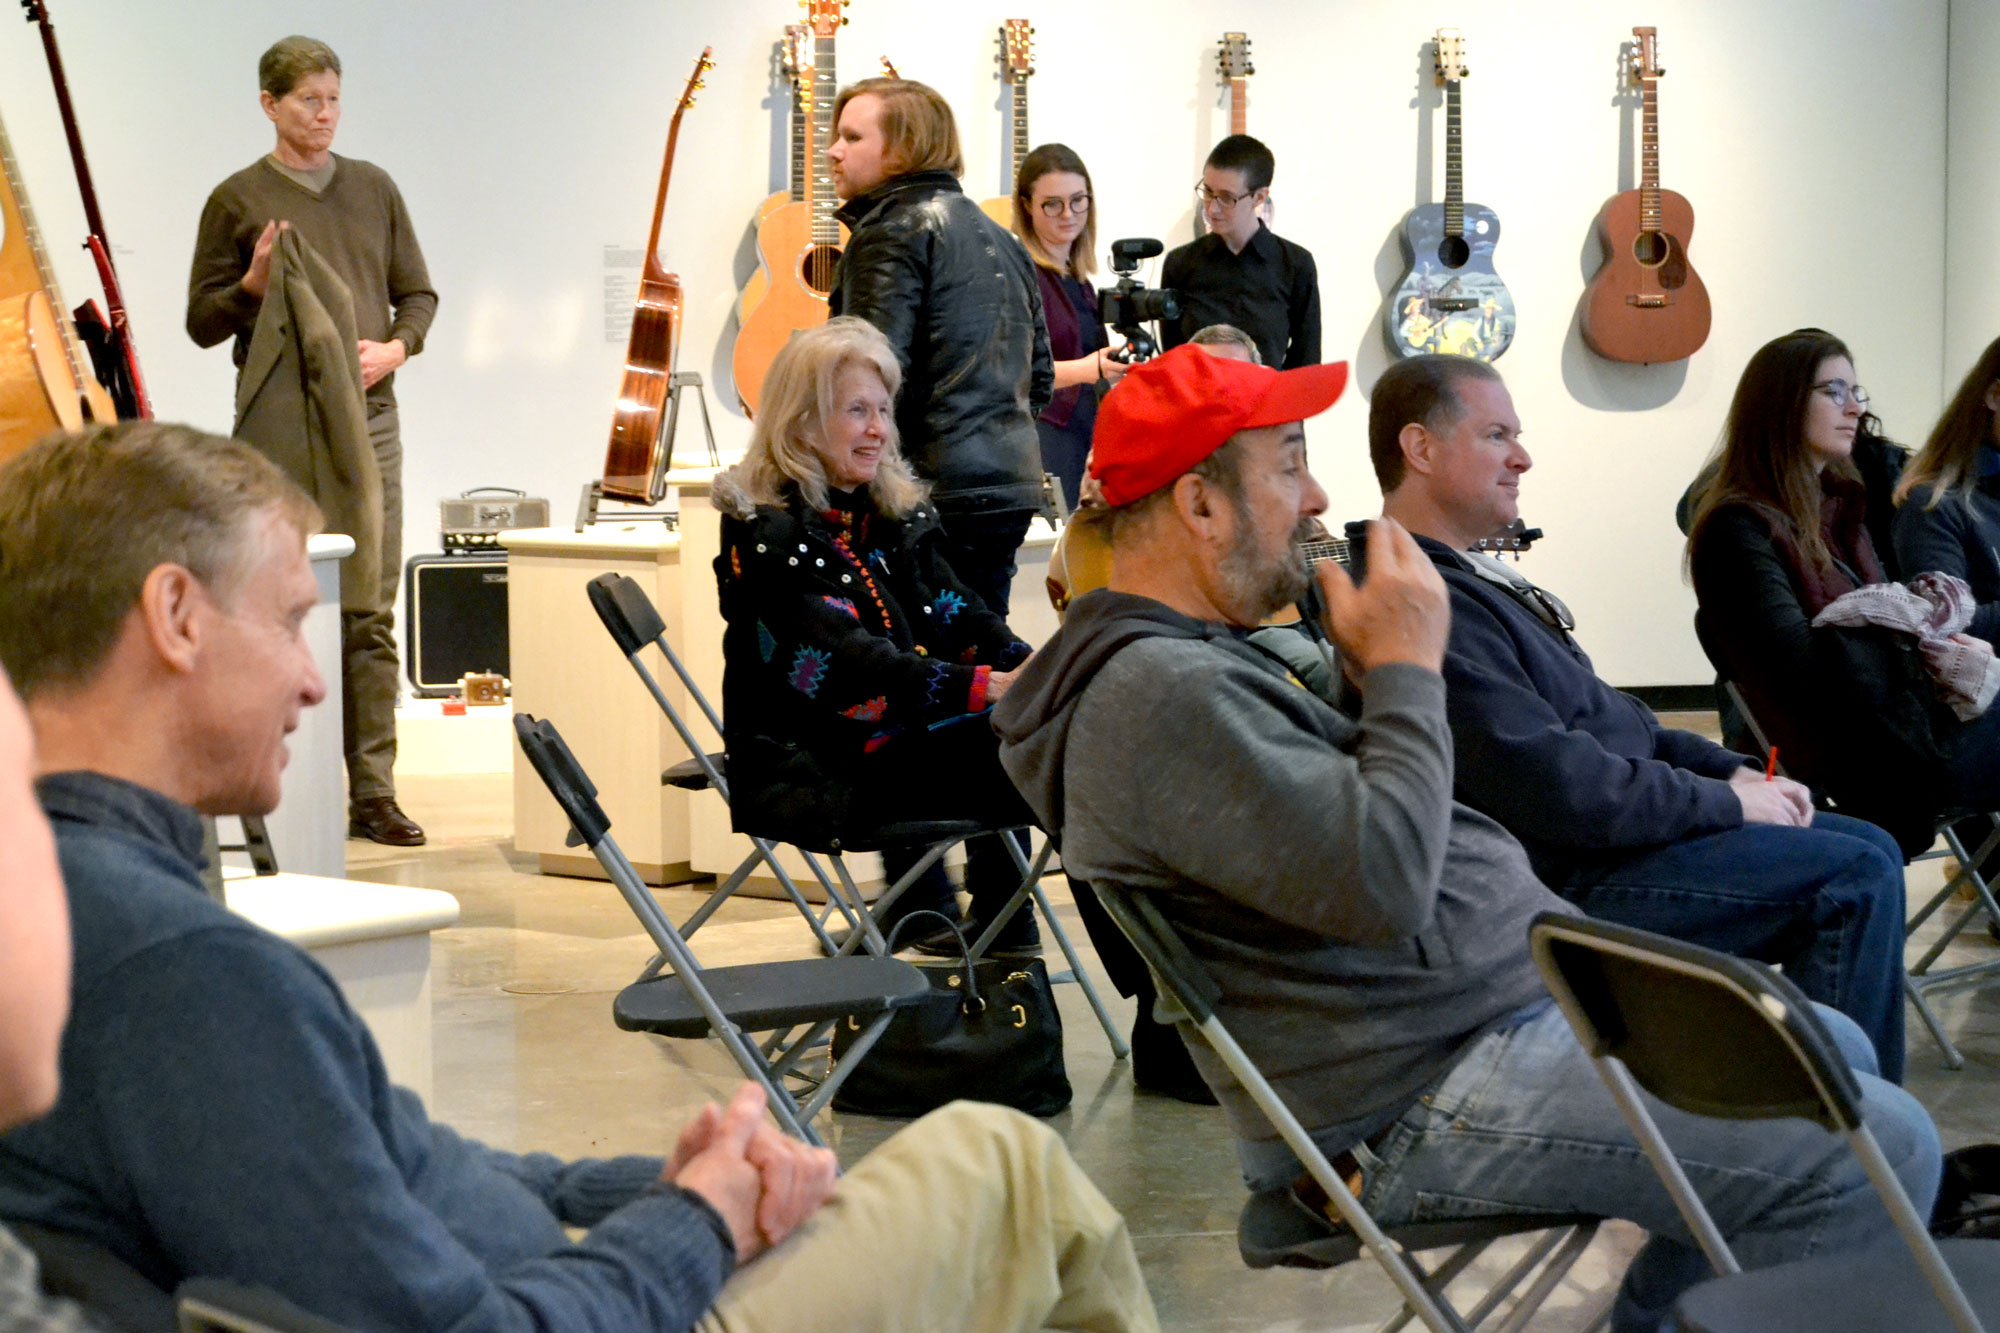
[[224, 1113], [1631, 821]]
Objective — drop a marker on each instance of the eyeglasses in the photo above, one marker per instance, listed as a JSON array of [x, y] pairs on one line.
[[1076, 206], [1205, 196], [1550, 608], [1843, 393]]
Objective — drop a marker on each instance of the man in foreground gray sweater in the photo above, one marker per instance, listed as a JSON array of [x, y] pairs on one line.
[[1368, 932]]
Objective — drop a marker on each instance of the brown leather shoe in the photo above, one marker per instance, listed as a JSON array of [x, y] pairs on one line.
[[380, 819]]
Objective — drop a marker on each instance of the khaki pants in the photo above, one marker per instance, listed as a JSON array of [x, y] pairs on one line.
[[368, 662], [974, 1219]]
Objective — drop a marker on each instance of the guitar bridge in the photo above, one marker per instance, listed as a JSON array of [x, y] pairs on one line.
[[1454, 304], [1650, 302]]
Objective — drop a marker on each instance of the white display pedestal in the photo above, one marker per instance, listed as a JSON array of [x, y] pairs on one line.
[[308, 830], [375, 939]]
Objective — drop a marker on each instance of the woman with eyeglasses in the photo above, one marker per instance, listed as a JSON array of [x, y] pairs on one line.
[[1948, 502], [1779, 533], [1053, 218]]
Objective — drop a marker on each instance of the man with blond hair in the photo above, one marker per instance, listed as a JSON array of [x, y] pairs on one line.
[[226, 1114]]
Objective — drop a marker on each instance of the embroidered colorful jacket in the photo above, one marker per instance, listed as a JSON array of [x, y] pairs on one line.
[[845, 631]]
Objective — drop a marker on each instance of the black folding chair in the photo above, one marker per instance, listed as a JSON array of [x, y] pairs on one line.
[[728, 1003], [1634, 998], [634, 623], [1281, 1228]]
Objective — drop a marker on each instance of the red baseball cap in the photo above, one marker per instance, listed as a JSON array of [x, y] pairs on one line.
[[1169, 413]]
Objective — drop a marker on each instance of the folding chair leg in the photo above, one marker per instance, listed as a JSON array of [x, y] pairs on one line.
[[1572, 1245], [1119, 1047], [838, 1074], [868, 929], [1031, 888], [1952, 1058]]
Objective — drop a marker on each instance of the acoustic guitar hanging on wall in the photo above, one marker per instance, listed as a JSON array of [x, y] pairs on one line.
[[1017, 63], [1647, 304], [1451, 300], [800, 243], [632, 466], [1233, 68]]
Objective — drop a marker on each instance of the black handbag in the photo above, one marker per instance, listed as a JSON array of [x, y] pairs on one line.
[[989, 1032]]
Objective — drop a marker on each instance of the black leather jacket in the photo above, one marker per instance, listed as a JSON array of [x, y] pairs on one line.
[[957, 298]]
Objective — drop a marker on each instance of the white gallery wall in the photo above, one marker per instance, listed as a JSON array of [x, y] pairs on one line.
[[1810, 136]]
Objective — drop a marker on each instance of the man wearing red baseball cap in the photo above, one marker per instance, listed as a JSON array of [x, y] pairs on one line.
[[1368, 934]]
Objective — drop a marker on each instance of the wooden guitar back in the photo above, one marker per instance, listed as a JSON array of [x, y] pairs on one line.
[[642, 393], [1647, 304]]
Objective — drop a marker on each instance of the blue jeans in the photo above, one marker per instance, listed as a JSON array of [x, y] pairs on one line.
[[1824, 903], [1523, 1123]]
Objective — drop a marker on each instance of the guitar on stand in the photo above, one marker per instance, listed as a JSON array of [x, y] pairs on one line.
[[1017, 63], [43, 383], [1451, 300], [799, 243], [635, 464], [109, 339], [1232, 63], [1647, 304], [795, 58]]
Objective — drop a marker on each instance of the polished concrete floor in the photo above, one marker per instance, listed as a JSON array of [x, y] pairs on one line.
[[527, 1057]]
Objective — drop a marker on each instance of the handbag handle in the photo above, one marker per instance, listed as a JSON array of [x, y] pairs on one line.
[[972, 997]]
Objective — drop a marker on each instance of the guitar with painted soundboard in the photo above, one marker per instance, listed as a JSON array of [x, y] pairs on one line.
[[800, 243], [1017, 63], [1647, 304], [1451, 300]]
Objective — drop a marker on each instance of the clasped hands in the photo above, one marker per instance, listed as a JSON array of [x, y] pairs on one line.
[[764, 1183]]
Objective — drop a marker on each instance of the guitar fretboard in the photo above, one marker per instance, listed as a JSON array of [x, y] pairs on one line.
[[825, 230], [1649, 156], [801, 135], [1454, 168], [71, 353], [1332, 548], [1020, 128], [1239, 106]]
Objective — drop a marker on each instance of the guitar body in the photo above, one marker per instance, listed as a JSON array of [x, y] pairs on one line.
[[1451, 300], [1001, 211], [642, 394], [760, 281], [1647, 304], [802, 278]]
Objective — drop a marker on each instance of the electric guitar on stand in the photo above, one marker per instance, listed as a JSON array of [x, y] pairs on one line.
[[1647, 304], [795, 59], [1017, 62], [634, 468], [1451, 300], [799, 243]]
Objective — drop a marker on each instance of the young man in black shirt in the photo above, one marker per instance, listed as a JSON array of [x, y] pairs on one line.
[[1240, 273]]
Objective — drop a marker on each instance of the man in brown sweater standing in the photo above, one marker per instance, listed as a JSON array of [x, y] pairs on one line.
[[351, 213]]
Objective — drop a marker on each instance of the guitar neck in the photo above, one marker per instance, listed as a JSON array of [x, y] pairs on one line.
[[825, 230], [1020, 131], [1454, 163], [1335, 549], [33, 233], [91, 216], [1649, 156], [801, 137], [1239, 106]]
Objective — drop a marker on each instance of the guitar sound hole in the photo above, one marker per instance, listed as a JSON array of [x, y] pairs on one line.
[[1650, 248], [817, 268], [1453, 251]]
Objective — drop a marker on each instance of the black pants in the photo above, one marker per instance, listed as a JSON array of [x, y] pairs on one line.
[[980, 548], [951, 773]]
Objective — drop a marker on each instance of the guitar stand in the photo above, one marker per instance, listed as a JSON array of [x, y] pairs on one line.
[[593, 491]]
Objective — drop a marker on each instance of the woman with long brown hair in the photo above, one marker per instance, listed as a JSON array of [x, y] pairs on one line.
[[1056, 218], [1948, 503], [1778, 534]]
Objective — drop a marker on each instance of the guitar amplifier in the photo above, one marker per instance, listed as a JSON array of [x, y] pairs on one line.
[[475, 520], [456, 608]]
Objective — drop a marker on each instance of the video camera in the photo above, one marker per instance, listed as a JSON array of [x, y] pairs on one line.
[[1130, 305]]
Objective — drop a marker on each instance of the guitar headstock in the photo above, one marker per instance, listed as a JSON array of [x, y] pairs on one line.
[[1515, 537], [1233, 57], [795, 53], [702, 65], [35, 12], [1451, 55], [1646, 54], [889, 69], [1017, 49], [824, 16]]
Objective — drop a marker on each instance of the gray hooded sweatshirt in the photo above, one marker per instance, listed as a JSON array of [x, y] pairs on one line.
[[1362, 926]]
